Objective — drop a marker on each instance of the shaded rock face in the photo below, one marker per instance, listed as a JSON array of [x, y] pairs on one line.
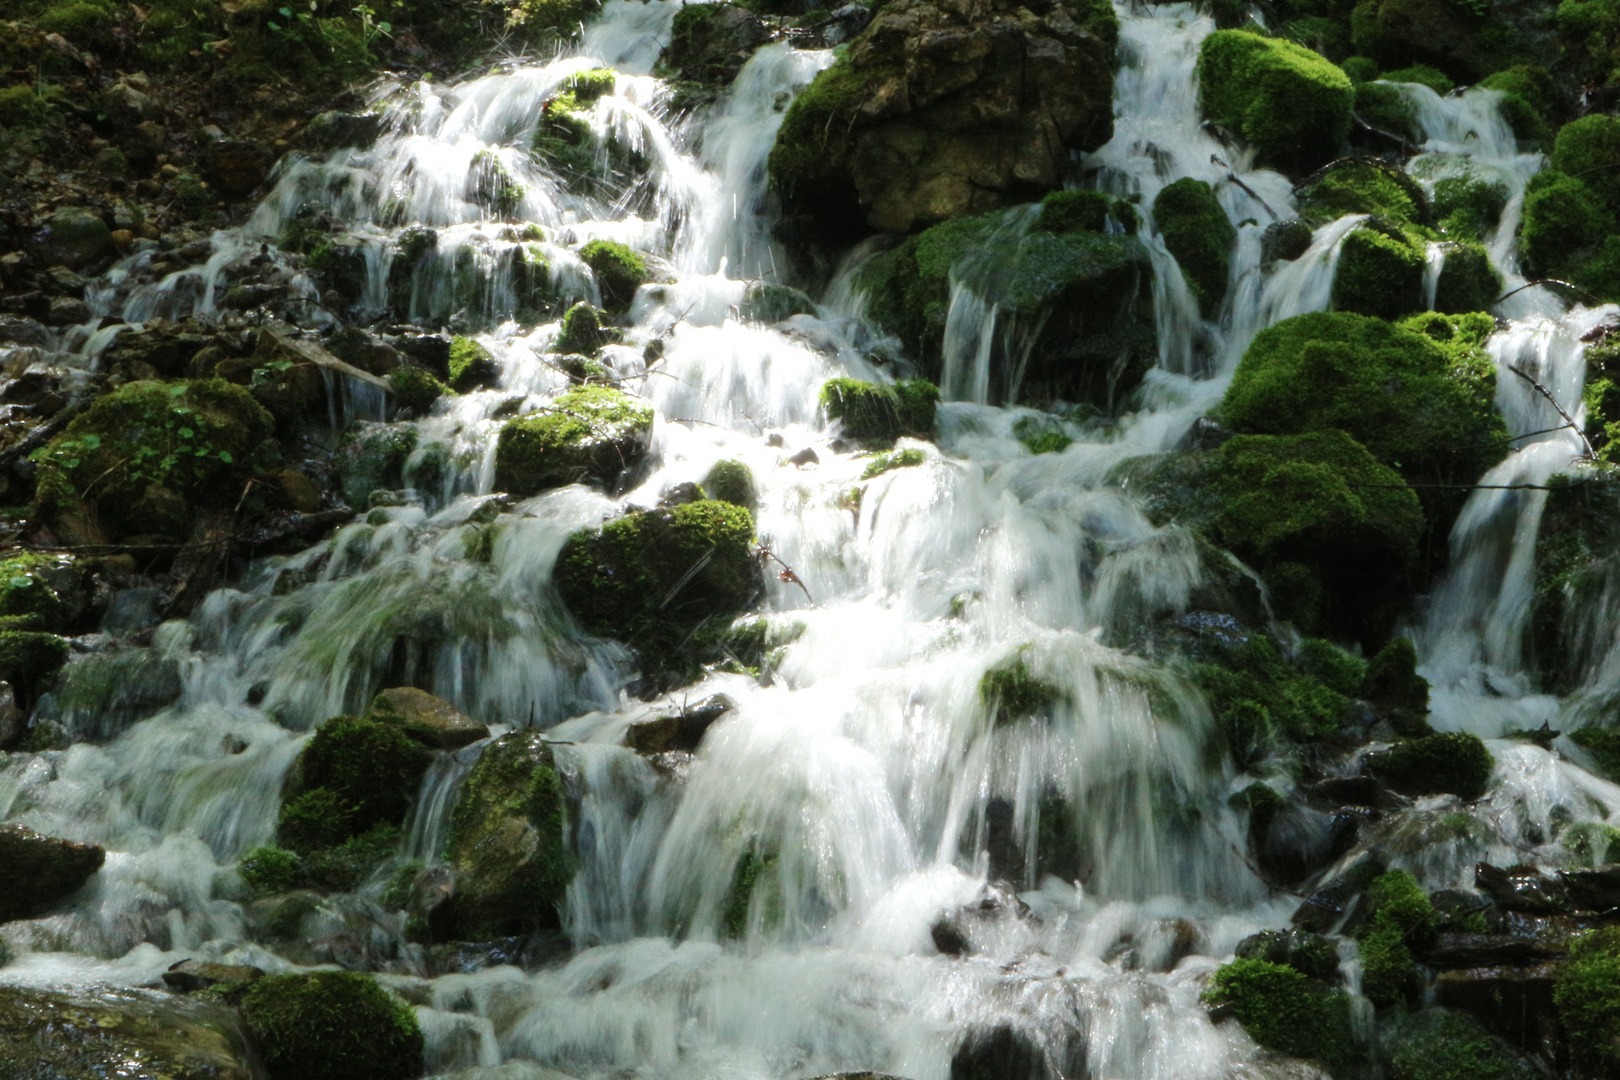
[[429, 720], [41, 871], [117, 1033], [945, 109]]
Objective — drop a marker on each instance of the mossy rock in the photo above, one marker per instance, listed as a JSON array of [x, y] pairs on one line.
[[472, 367], [1010, 692], [1198, 234], [49, 588], [371, 458], [1086, 211], [771, 304], [492, 186], [1392, 680], [872, 411], [1588, 999], [1365, 186], [29, 661], [1312, 955], [1379, 273], [352, 777], [1290, 103], [656, 578], [1401, 919], [1259, 695], [431, 721], [1589, 150], [1564, 222], [1575, 557], [619, 272], [332, 1025], [509, 841], [733, 482], [709, 43], [118, 1032], [581, 332], [1468, 208], [1452, 763], [1433, 33], [1283, 1010], [1420, 401], [590, 433], [416, 388], [1469, 281], [144, 457], [1385, 109], [895, 459], [1439, 1045]]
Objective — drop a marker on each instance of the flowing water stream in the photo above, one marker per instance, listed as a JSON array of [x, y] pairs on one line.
[[864, 759]]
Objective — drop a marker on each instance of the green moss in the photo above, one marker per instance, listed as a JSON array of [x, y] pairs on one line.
[[352, 776], [1283, 1010], [1084, 211], [372, 457], [1259, 696], [1592, 842], [1424, 75], [619, 272], [1451, 763], [774, 303], [508, 840], [870, 411], [751, 867], [29, 660], [733, 482], [332, 1025], [1380, 273], [416, 388], [653, 579], [1392, 680], [492, 186], [897, 459], [1563, 220], [1383, 107], [1360, 69], [813, 144], [1011, 693], [1401, 918], [1365, 187], [471, 365], [588, 433], [271, 870], [1604, 746], [1290, 103], [1588, 149], [46, 587], [1435, 1045], [1421, 405], [1588, 999], [1469, 281], [1047, 442], [1468, 208], [581, 331], [1198, 234]]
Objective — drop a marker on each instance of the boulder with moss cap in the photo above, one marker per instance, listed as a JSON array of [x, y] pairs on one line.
[[429, 720], [1290, 103], [591, 433], [332, 1025]]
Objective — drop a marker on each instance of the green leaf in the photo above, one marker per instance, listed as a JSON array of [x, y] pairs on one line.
[[225, 456], [271, 25], [176, 391], [73, 463], [22, 581], [90, 441], [286, 12], [186, 433]]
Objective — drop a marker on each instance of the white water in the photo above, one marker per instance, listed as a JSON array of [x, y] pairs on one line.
[[867, 763]]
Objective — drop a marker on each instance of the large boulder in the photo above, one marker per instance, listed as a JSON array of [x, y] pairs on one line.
[[41, 871], [589, 433], [73, 237], [117, 1033], [332, 1025], [52, 588], [709, 43], [1198, 234], [509, 841], [1284, 1010], [1289, 103], [944, 109]]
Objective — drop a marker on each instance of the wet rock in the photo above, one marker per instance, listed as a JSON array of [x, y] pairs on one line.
[[1307, 953], [1452, 763], [73, 237], [19, 331], [366, 351], [67, 311], [591, 433], [970, 928], [1514, 1002], [1522, 888], [41, 871], [1286, 240], [509, 841], [1000, 1053], [371, 458], [1352, 791], [53, 589], [430, 720], [13, 721], [1324, 908], [167, 348], [1484, 950], [191, 975], [337, 130], [709, 43], [117, 1033], [1296, 841], [1434, 1043], [1593, 890], [682, 730], [332, 1025], [236, 167]]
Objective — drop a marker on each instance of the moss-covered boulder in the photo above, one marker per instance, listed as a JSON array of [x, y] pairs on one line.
[[145, 457], [1422, 405], [1400, 920], [1589, 148], [1468, 207], [936, 112], [74, 237], [1198, 234], [416, 388], [1379, 273], [1283, 1010], [1399, 33], [1564, 222], [1392, 681], [619, 272], [1469, 281], [663, 581], [509, 841], [1364, 186], [1439, 1045], [1577, 554], [872, 411], [472, 367], [591, 433], [1453, 763], [581, 332], [41, 871], [1290, 103], [29, 660], [118, 1032], [1010, 692], [733, 482], [332, 1025], [1261, 696], [1312, 955], [49, 589], [431, 721], [1084, 293], [709, 43], [371, 458], [1588, 999]]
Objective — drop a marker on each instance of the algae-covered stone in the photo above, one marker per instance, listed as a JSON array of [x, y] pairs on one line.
[[1469, 281], [1439, 1045], [1380, 272], [908, 458], [429, 720], [1290, 103], [29, 661], [1365, 186], [353, 776], [774, 303], [619, 272], [1564, 221], [1283, 1010], [1259, 695], [332, 1025], [580, 332], [1576, 550], [1468, 207], [509, 841], [1392, 680], [50, 587], [653, 579], [585, 434], [416, 388], [1011, 692], [872, 411], [1450, 763], [1590, 149], [117, 1033], [1400, 920], [41, 871], [472, 366], [733, 482], [1588, 998], [1309, 954], [371, 458], [74, 237], [1198, 234]]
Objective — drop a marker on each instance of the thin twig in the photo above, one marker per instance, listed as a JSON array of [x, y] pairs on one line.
[[1549, 281], [1568, 419], [786, 575]]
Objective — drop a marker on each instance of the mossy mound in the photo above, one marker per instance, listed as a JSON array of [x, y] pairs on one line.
[[1467, 207], [49, 589], [509, 841], [29, 661], [774, 303], [371, 458], [1085, 211], [472, 367], [144, 457], [581, 332], [1564, 222], [332, 1025], [416, 388], [1290, 103], [1401, 919], [1380, 272], [1283, 1010], [1421, 405], [1451, 763], [1363, 186], [870, 411], [1469, 281], [655, 579], [619, 272], [590, 433], [1010, 692], [897, 459], [1588, 999], [733, 482], [1384, 108], [1198, 234], [1438, 1045], [1589, 149], [1260, 696], [1312, 955], [1392, 680]]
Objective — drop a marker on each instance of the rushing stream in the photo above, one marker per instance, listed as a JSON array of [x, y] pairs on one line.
[[863, 758]]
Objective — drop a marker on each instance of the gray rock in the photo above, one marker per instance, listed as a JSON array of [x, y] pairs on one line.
[[41, 871], [425, 718]]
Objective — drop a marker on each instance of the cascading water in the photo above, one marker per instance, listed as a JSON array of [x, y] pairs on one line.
[[864, 774]]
